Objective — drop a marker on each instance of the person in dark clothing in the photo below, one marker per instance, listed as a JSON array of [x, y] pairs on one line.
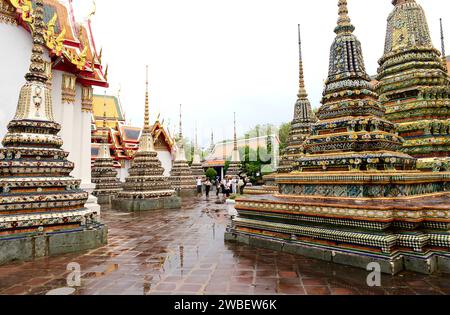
[[207, 187], [218, 187]]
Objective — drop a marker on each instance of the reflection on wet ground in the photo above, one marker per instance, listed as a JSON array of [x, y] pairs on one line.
[[183, 252]]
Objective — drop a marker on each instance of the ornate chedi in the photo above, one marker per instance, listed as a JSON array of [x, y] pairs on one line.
[[104, 174], [300, 125], [414, 85], [300, 128], [196, 167], [42, 208], [181, 177], [146, 188], [353, 198], [235, 166]]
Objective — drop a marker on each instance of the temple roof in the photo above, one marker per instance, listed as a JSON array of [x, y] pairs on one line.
[[109, 104], [71, 45], [224, 150]]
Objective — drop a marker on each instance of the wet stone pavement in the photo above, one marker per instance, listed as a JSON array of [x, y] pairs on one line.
[[183, 252]]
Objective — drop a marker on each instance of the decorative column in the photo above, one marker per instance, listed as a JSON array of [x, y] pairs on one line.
[[85, 151]]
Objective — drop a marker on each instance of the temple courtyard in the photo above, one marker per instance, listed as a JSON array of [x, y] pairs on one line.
[[183, 252]]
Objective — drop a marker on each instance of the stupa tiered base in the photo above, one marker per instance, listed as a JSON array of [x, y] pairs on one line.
[[197, 170], [234, 169], [136, 205], [104, 176], [182, 179], [269, 187], [434, 164], [146, 188], [30, 246], [337, 217]]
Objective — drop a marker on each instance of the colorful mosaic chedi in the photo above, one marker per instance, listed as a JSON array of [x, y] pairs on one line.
[[413, 83], [37, 194], [146, 179], [196, 167], [300, 125], [104, 174], [235, 166], [181, 175], [300, 128], [353, 196]]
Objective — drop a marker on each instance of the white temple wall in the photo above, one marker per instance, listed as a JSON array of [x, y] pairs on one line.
[[77, 136], [58, 110], [15, 53], [122, 172], [85, 150], [166, 160]]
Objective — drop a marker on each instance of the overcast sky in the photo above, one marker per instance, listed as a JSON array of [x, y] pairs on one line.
[[216, 56]]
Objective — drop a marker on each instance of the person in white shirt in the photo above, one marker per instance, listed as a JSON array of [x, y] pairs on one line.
[[199, 186], [234, 185]]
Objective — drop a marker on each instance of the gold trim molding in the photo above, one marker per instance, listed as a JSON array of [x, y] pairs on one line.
[[7, 13], [68, 88], [87, 97]]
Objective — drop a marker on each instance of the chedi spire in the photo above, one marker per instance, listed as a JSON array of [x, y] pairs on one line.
[[301, 123], [181, 177], [146, 187]]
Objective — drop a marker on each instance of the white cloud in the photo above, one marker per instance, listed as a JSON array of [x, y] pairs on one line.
[[216, 56]]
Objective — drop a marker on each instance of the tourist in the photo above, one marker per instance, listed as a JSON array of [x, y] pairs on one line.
[[218, 186], [207, 187], [234, 183], [241, 186], [199, 186], [228, 186]]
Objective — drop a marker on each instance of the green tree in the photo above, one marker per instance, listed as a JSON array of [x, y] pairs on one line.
[[269, 140], [283, 135], [252, 163], [211, 173], [226, 166]]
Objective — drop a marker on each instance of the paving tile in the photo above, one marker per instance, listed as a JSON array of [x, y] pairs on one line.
[[317, 290], [175, 252], [291, 289]]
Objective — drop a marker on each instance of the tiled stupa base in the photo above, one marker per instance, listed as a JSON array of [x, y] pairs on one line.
[[270, 186], [105, 199], [426, 264], [135, 205], [31, 246], [186, 193]]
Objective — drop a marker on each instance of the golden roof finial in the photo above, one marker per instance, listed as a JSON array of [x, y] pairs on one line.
[[235, 133], [93, 10], [147, 110], [181, 126], [344, 23], [106, 72], [100, 56], [302, 90], [444, 57], [37, 68], [400, 2], [104, 116], [196, 142]]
